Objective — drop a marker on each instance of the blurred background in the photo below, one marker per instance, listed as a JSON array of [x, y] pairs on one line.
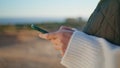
[[20, 46]]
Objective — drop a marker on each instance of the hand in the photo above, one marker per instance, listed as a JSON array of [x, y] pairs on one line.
[[60, 38]]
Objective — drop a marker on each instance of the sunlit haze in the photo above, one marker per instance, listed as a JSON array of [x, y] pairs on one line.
[[46, 8]]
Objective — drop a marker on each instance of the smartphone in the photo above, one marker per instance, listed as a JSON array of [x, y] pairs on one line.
[[38, 29]]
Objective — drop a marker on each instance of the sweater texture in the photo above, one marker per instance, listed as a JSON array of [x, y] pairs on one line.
[[86, 51]]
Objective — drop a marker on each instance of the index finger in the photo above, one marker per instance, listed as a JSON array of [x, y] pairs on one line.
[[48, 36]]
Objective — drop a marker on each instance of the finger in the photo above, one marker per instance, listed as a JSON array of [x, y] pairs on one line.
[[57, 44], [62, 53], [44, 36], [63, 50], [65, 28], [48, 36], [56, 41], [57, 47]]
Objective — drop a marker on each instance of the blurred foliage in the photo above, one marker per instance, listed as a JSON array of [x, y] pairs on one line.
[[50, 26], [56, 26]]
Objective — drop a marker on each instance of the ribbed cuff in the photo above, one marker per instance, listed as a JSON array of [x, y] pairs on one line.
[[83, 51]]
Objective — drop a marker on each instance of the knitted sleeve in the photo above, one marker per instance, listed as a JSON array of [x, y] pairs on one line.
[[85, 51]]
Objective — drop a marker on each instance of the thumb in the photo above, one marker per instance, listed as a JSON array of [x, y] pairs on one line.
[[48, 36]]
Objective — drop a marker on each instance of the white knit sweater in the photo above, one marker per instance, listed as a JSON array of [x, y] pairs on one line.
[[86, 51]]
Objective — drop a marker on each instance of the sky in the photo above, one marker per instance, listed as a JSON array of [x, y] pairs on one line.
[[46, 8]]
